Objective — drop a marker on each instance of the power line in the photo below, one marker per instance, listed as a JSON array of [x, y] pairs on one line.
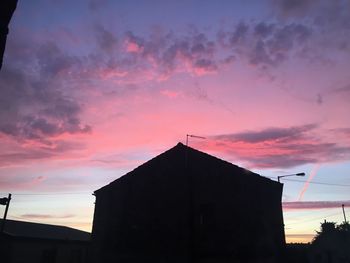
[[321, 183], [312, 182]]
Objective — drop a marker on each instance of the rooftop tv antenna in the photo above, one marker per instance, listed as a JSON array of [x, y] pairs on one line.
[[193, 136]]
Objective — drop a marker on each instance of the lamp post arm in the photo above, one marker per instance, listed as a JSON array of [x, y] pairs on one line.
[[297, 174]]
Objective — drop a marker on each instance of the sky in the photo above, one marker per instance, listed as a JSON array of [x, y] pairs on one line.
[[92, 89]]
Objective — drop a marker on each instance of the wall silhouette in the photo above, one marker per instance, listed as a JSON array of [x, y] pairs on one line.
[[187, 206], [7, 7]]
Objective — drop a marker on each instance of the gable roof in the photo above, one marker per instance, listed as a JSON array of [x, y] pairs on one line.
[[43, 231], [182, 151]]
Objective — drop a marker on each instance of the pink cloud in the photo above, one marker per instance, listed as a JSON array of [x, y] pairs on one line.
[[170, 94], [277, 147], [314, 205], [133, 47], [19, 183], [46, 216], [106, 74]]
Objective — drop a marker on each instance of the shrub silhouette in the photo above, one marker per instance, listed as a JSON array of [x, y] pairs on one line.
[[331, 244]]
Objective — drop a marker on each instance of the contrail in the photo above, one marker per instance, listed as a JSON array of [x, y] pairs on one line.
[[306, 185]]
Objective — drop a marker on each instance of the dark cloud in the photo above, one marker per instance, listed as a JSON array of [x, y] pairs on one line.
[[233, 39], [239, 34], [270, 134], [294, 7], [229, 59], [260, 55], [345, 89], [33, 105], [287, 155], [267, 44], [205, 64], [263, 29], [52, 148], [46, 216], [263, 44], [52, 60], [331, 18], [279, 147], [46, 150], [280, 161], [29, 113], [342, 132], [274, 44], [287, 36], [29, 127], [94, 5], [6, 159], [168, 53], [169, 57], [106, 40]]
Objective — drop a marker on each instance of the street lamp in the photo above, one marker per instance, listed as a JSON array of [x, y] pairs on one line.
[[297, 174]]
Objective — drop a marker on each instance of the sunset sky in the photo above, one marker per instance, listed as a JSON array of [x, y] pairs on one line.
[[92, 89]]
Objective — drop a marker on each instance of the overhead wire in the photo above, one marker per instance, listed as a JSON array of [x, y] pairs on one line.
[[85, 193], [313, 182]]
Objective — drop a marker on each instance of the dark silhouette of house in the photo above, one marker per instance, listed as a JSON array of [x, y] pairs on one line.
[[7, 7], [187, 206], [26, 242]]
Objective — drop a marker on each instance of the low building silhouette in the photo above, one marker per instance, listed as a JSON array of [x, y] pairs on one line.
[[26, 242], [187, 206]]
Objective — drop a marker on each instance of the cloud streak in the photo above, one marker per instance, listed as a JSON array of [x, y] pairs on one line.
[[277, 147], [309, 179], [46, 216], [314, 205]]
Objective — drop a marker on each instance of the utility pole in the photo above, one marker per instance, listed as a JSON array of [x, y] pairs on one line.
[[5, 201], [344, 213]]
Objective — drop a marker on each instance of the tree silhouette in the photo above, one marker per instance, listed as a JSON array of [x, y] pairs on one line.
[[332, 243]]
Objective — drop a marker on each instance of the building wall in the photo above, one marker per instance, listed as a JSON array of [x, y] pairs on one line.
[[29, 250], [143, 216], [146, 215], [242, 212]]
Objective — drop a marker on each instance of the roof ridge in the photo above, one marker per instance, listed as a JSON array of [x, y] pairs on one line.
[[43, 224], [178, 147]]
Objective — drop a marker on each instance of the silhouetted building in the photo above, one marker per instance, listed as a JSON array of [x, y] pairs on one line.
[[7, 7], [25, 242], [187, 206]]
